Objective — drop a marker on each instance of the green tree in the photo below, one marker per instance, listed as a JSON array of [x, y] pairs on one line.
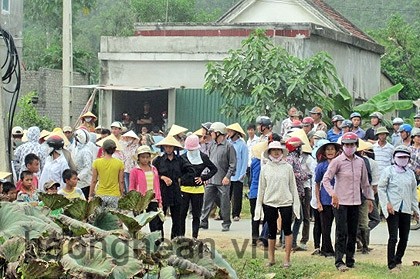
[[263, 78], [401, 60], [28, 116], [164, 10]]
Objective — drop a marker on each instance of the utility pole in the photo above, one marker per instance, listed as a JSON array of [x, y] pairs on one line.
[[4, 160], [67, 61]]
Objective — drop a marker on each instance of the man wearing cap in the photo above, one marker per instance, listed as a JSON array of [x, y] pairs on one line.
[[307, 124], [335, 132], [235, 135], [356, 120], [17, 134], [396, 137], [417, 120], [68, 132], [285, 124], [383, 150], [376, 119], [316, 114], [223, 155], [350, 174], [264, 126], [116, 129]]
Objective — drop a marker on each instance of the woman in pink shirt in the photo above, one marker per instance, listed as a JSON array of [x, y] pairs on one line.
[[145, 177]]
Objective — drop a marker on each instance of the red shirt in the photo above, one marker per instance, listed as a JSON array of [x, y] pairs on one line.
[[34, 183]]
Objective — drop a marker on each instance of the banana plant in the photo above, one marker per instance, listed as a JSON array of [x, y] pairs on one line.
[[381, 102]]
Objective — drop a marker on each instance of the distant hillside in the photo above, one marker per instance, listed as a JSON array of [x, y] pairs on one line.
[[374, 14], [366, 14]]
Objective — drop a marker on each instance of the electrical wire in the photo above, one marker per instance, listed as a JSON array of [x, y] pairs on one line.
[[11, 75]]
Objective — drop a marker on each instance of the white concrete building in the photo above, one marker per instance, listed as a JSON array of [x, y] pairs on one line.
[[165, 63]]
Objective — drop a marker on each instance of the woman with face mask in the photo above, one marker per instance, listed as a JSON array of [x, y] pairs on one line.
[[351, 178], [398, 198], [277, 194]]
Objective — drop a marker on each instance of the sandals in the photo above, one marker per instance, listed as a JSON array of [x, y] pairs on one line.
[[342, 268], [287, 265]]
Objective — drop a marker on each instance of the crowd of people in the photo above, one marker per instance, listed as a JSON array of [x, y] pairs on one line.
[[305, 171]]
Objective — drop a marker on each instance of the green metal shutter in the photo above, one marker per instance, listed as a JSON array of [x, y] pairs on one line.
[[194, 106]]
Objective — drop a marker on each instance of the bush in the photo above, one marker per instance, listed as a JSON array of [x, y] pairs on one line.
[[28, 116]]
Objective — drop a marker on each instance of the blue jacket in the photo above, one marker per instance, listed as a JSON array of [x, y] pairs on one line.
[[320, 170], [241, 150], [255, 177]]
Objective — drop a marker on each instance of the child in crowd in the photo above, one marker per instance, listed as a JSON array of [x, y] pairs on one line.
[[32, 163], [51, 187], [27, 193], [9, 191], [145, 177], [70, 190]]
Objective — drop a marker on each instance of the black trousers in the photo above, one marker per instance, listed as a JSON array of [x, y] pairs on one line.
[[397, 223], [196, 201], [270, 216], [327, 218], [255, 225], [306, 207], [85, 191], [346, 223], [236, 193], [176, 219], [156, 224], [317, 231]]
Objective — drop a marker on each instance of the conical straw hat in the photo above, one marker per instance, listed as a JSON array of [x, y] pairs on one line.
[[258, 149], [169, 140], [88, 114], [131, 134], [198, 132], [4, 175], [303, 137], [364, 145], [111, 137], [44, 133], [175, 130], [237, 128]]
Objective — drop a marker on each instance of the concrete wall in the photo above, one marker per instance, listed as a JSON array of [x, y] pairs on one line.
[[48, 84], [358, 69], [181, 61]]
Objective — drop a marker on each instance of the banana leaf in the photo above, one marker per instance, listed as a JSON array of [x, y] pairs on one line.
[[87, 261], [13, 249], [135, 202], [80, 209]]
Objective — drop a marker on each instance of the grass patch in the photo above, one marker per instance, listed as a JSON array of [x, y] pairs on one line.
[[252, 265]]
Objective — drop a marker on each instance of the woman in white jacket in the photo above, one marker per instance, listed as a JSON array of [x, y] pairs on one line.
[[277, 192]]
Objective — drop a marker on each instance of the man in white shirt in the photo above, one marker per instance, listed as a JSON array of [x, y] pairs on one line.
[[285, 124]]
